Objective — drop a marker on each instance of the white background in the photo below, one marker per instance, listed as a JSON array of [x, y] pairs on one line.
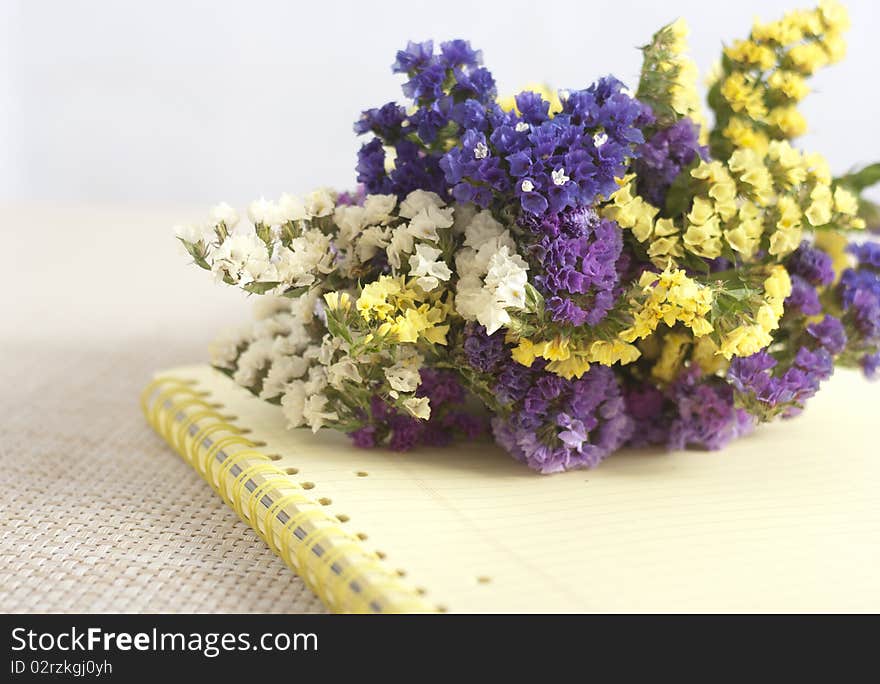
[[174, 102]]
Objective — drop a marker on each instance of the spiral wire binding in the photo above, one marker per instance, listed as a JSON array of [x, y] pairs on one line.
[[331, 561]]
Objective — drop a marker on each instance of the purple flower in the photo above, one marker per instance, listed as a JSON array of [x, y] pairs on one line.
[[706, 416], [402, 432], [829, 333], [441, 86], [811, 264], [556, 424], [483, 352], [647, 406], [550, 164], [867, 254], [664, 156], [803, 297], [870, 363], [865, 312], [576, 266]]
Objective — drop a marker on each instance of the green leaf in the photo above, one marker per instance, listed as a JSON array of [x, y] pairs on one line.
[[681, 194], [259, 287], [295, 292], [861, 179]]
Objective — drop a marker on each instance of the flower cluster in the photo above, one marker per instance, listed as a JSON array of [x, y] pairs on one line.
[[570, 271]]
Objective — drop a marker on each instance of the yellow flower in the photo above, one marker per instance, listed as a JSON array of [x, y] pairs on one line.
[[835, 245], [845, 202], [373, 302], [835, 46], [744, 96], [556, 349], [751, 54], [817, 168], [338, 301], [616, 351], [525, 352], [777, 285], [744, 340], [670, 297], [807, 57], [743, 134], [751, 171], [671, 357], [705, 355], [788, 120], [819, 211], [784, 32], [834, 15], [701, 211], [572, 367], [790, 84]]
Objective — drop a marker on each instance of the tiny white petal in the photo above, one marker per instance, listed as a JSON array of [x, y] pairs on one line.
[[481, 151], [600, 139], [527, 186], [559, 177], [521, 127]]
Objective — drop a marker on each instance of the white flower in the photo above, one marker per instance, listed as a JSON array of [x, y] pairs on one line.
[[272, 326], [564, 95], [291, 208], [403, 377], [424, 224], [418, 407], [194, 232], [527, 185], [262, 211], [481, 229], [243, 257], [418, 200], [317, 379], [342, 370], [252, 361], [424, 265], [491, 281], [401, 243], [481, 151], [282, 372], [559, 177], [350, 220], [320, 202], [307, 255], [521, 127], [463, 215], [293, 403], [600, 138], [378, 208], [507, 278], [315, 414], [267, 306], [223, 351], [223, 213], [371, 241]]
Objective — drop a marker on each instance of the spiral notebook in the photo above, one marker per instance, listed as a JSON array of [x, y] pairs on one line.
[[787, 519]]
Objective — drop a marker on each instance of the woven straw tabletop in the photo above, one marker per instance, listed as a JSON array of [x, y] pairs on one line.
[[98, 514]]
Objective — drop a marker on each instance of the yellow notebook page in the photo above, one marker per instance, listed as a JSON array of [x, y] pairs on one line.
[[787, 519]]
